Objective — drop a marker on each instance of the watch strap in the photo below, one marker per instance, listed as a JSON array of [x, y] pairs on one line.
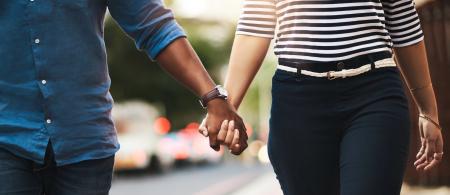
[[213, 94]]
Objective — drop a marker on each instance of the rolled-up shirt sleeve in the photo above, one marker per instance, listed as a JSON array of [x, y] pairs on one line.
[[148, 22], [402, 22]]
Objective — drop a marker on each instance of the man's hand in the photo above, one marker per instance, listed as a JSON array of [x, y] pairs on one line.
[[223, 124]]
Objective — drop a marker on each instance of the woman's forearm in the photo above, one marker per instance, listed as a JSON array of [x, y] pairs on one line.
[[414, 65], [246, 58]]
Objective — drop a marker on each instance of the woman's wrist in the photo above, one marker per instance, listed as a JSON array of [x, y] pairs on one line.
[[434, 122], [431, 116], [233, 103], [233, 98], [425, 99], [430, 111]]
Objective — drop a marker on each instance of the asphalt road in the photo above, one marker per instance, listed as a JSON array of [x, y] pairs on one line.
[[230, 178]]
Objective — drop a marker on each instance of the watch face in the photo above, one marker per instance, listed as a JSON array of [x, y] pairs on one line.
[[223, 91]]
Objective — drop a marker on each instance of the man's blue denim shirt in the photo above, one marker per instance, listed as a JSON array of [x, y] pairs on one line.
[[54, 82]]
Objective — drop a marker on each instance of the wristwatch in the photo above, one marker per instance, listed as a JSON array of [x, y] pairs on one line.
[[217, 92]]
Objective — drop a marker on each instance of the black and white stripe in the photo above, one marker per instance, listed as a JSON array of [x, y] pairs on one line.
[[331, 30]]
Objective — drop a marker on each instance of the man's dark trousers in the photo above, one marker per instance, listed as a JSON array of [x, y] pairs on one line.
[[19, 176]]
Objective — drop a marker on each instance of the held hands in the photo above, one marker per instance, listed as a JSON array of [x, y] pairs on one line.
[[431, 150], [224, 127]]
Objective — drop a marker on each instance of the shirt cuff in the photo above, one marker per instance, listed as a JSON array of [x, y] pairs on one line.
[[168, 33], [409, 43]]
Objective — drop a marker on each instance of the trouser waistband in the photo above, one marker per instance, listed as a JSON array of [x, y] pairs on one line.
[[339, 69]]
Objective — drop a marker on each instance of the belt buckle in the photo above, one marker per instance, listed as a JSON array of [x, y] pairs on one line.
[[329, 76]]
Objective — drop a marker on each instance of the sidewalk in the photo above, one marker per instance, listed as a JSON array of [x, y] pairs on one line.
[[267, 184], [407, 190]]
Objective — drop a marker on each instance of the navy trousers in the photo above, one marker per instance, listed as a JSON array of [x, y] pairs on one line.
[[20, 176], [345, 136]]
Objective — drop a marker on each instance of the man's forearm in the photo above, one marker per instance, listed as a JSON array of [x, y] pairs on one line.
[[414, 65], [180, 60]]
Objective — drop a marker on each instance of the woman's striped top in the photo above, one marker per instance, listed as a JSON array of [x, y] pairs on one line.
[[331, 30]]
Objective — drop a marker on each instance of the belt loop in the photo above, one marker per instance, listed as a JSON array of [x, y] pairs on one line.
[[299, 72], [372, 62]]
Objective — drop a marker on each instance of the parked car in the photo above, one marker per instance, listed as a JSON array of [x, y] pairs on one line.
[[138, 137], [188, 145]]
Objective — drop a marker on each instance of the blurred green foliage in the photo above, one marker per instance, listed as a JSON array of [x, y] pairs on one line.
[[135, 76]]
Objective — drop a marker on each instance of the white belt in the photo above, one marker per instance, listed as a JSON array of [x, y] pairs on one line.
[[389, 62]]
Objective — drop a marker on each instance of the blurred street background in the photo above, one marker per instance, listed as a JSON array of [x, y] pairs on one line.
[[157, 119]]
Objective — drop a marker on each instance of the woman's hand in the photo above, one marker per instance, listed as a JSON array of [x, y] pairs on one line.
[[431, 150], [229, 135], [228, 131]]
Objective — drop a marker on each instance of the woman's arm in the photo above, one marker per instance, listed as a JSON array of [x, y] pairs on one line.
[[255, 29], [414, 67], [420, 3], [247, 55], [407, 39]]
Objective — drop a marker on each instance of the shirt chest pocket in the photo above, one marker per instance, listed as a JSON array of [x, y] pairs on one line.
[[73, 4]]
